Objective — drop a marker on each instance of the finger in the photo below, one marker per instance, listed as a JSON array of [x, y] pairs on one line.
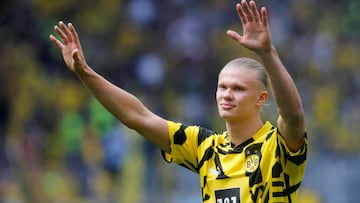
[[56, 41], [234, 35], [66, 30], [264, 16], [247, 11], [61, 34], [255, 11], [241, 14], [74, 33]]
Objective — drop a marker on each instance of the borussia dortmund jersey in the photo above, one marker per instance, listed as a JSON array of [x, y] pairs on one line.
[[262, 169]]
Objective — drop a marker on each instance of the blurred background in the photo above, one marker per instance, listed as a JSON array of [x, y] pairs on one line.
[[57, 144]]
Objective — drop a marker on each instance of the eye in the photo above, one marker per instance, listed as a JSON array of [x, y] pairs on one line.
[[221, 86], [238, 88]]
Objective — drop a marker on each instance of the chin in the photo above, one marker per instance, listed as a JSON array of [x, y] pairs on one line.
[[225, 115], [228, 116]]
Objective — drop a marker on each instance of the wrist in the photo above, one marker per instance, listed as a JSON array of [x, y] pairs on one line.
[[267, 52], [84, 71]]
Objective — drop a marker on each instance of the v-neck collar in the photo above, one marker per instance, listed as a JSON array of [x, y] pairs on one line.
[[265, 128]]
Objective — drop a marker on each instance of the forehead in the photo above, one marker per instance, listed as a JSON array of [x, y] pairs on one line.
[[229, 73]]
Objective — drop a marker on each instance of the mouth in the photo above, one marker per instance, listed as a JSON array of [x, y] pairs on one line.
[[227, 106]]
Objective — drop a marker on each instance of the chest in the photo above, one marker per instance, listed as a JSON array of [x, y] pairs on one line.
[[254, 160]]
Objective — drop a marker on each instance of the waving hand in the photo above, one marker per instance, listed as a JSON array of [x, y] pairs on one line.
[[70, 46], [256, 33]]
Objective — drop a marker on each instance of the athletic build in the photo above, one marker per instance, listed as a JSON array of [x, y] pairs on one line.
[[252, 160]]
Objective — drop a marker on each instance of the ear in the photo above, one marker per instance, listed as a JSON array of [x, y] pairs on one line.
[[262, 99]]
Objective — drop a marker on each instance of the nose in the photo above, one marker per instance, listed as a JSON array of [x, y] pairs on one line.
[[227, 94]]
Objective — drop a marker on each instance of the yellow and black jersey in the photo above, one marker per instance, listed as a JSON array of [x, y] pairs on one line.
[[262, 169]]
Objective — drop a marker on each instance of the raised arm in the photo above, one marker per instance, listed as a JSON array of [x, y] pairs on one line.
[[123, 105], [256, 37]]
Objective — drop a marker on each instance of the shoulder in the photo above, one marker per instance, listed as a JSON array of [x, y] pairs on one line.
[[181, 132]]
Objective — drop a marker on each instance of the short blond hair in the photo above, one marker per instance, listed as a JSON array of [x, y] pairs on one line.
[[250, 64]]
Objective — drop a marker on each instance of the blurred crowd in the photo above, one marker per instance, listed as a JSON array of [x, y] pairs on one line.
[[58, 144]]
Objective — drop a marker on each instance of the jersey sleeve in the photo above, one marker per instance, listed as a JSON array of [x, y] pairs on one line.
[[293, 162], [183, 145], [297, 157]]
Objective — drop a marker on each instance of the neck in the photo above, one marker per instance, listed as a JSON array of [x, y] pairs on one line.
[[239, 132]]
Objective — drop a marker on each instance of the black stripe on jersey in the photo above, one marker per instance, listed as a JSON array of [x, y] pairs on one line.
[[219, 167], [204, 196], [190, 166], [268, 136], [278, 151], [240, 147], [221, 151], [267, 197], [236, 150], [277, 170], [277, 183], [288, 189], [297, 159], [254, 177], [224, 145], [180, 136], [255, 195], [207, 155], [203, 134]]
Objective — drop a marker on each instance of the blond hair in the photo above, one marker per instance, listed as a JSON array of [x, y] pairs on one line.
[[250, 64]]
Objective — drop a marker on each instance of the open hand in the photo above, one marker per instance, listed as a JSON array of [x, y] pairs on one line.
[[256, 33], [70, 46]]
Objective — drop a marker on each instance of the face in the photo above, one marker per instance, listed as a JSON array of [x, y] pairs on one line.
[[240, 94]]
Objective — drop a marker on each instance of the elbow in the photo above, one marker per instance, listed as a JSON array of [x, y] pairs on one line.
[[130, 122], [295, 117], [135, 120]]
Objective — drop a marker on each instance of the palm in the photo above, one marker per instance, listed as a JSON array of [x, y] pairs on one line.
[[256, 37], [256, 33], [67, 55]]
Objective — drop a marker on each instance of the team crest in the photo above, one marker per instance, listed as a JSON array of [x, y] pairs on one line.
[[252, 163]]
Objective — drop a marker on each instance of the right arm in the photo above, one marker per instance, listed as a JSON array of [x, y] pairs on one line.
[[124, 106], [256, 37]]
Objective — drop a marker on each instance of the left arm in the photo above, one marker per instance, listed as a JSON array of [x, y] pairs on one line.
[[256, 37], [291, 116]]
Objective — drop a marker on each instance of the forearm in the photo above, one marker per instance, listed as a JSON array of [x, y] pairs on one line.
[[283, 87], [128, 109], [123, 105]]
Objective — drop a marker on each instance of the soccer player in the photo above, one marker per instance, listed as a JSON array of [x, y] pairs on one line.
[[253, 160]]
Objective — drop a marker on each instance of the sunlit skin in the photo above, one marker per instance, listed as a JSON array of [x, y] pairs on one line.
[[239, 99]]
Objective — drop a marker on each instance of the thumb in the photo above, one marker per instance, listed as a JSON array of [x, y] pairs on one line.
[[77, 59], [234, 35]]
